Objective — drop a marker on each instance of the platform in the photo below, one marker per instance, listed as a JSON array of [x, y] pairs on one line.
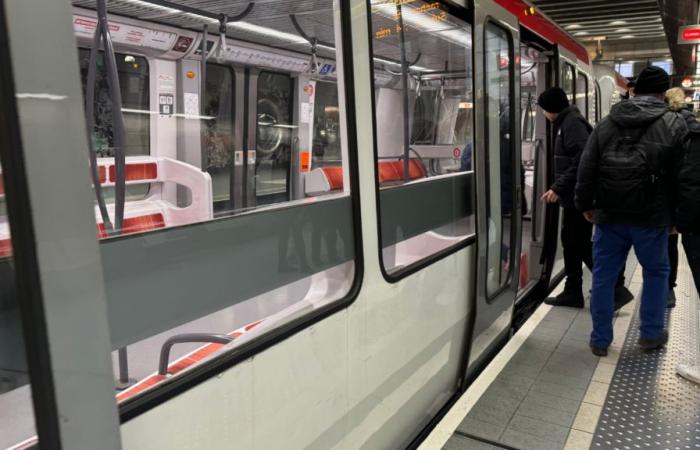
[[546, 390]]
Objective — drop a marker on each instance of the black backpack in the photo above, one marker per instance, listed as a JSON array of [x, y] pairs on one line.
[[630, 173]]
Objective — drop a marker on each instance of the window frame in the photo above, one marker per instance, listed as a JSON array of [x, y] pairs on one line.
[[466, 14], [505, 284]]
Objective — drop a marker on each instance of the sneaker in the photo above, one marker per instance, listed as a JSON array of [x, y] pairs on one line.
[[652, 344], [599, 351], [572, 298], [690, 373], [671, 299], [622, 296]]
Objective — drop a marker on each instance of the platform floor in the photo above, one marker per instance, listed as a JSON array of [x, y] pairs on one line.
[[546, 390]]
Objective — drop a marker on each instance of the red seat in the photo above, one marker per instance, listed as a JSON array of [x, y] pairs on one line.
[[136, 224], [334, 175]]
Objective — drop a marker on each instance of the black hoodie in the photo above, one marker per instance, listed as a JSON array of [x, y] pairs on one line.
[[664, 128], [688, 213]]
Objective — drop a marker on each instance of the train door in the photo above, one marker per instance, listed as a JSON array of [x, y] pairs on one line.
[[535, 67], [499, 191]]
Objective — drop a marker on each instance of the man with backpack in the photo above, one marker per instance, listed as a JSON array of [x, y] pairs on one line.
[[625, 186], [571, 130]]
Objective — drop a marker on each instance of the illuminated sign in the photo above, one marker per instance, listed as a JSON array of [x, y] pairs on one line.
[[689, 34], [687, 82]]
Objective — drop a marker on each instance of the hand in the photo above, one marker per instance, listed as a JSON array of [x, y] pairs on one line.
[[550, 196], [588, 215]]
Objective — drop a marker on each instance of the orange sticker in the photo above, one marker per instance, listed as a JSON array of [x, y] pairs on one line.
[[309, 90], [190, 74], [305, 161]]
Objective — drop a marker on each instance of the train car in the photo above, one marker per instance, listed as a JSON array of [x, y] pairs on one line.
[[270, 224]]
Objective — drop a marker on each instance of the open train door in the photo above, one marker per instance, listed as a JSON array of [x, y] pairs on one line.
[[499, 190]]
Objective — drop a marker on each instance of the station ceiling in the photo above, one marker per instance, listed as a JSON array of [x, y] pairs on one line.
[[612, 20]]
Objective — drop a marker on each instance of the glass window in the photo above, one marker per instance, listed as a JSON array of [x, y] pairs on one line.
[[567, 81], [134, 86], [218, 134], [16, 409], [582, 94], [255, 142], [274, 138], [499, 128], [424, 125]]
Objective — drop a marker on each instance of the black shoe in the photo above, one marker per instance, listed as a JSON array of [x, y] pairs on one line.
[[599, 351], [622, 296], [652, 344], [572, 298], [671, 299]]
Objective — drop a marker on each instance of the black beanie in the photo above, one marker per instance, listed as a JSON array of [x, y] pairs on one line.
[[652, 80], [553, 100]]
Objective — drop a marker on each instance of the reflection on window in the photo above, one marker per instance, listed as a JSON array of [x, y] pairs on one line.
[[424, 125], [261, 127], [567, 81], [218, 134], [16, 412], [133, 82], [500, 156]]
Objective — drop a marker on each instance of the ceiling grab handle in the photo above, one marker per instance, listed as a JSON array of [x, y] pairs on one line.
[[221, 51], [314, 65], [117, 117], [90, 125]]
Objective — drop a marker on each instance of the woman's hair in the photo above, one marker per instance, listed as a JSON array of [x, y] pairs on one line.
[[675, 97]]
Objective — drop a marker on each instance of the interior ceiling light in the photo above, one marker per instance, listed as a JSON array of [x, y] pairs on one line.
[[150, 5], [573, 26], [618, 22], [622, 30], [581, 33], [627, 36]]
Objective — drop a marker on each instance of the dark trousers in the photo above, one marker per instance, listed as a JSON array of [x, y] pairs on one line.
[[691, 245], [576, 234], [673, 259]]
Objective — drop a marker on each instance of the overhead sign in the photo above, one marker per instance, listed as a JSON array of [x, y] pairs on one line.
[[689, 34]]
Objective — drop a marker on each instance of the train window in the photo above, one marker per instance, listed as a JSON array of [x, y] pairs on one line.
[[248, 223], [582, 94], [498, 77], [273, 137], [16, 416], [424, 130], [134, 85], [567, 81], [218, 134]]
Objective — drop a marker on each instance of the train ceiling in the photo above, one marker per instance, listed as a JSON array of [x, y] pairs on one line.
[[613, 20], [267, 22]]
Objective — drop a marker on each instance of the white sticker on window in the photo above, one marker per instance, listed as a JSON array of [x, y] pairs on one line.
[[191, 104]]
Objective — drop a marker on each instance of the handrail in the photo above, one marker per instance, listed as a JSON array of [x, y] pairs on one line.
[[187, 338]]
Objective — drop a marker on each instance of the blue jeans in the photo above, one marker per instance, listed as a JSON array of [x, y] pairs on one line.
[[611, 244]]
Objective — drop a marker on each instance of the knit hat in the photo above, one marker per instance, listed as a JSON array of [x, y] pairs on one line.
[[553, 100], [652, 80]]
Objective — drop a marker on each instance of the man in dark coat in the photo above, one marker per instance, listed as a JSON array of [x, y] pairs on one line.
[[625, 186], [571, 131], [688, 215]]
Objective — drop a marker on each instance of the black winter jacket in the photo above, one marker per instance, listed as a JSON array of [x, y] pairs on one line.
[[571, 132], [666, 128], [688, 213]]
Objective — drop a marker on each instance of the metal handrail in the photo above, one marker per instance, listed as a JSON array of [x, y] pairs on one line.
[[184, 339]]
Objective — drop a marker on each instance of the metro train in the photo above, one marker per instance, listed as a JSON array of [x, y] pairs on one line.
[[314, 221]]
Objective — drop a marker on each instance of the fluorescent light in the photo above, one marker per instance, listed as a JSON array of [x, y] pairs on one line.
[[573, 26], [150, 5], [581, 33], [622, 30], [627, 36], [466, 105], [618, 22]]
